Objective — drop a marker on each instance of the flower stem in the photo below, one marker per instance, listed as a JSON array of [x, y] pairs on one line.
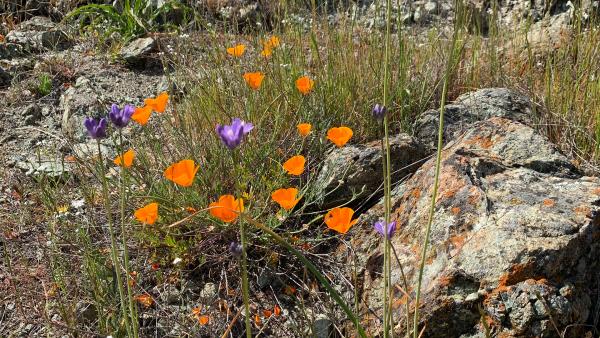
[[113, 242], [334, 294], [132, 309], [438, 162], [387, 316], [245, 291]]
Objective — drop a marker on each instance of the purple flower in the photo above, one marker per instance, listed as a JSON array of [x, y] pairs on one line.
[[235, 248], [379, 111], [120, 117], [233, 134], [96, 127], [379, 227]]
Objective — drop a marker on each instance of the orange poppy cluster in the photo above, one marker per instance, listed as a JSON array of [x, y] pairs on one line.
[[227, 208], [158, 104]]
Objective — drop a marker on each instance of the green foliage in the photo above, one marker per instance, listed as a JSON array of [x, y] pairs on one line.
[[130, 18], [45, 84]]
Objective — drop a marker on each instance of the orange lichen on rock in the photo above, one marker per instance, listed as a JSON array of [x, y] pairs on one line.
[[455, 210], [548, 202], [480, 140], [583, 210]]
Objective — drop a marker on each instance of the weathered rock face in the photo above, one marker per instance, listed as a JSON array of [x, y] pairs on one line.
[[472, 107], [515, 231], [92, 95], [355, 170], [38, 34]]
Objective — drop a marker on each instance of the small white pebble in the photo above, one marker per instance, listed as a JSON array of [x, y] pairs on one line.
[[176, 261]]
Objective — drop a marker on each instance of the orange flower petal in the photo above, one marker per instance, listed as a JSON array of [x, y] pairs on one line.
[[305, 84], [295, 165], [267, 313], [125, 160], [304, 128], [227, 208], [339, 135], [257, 320], [159, 103], [182, 172], [147, 214], [340, 219], [286, 198], [144, 299], [237, 50], [141, 115], [254, 80], [277, 310], [203, 320]]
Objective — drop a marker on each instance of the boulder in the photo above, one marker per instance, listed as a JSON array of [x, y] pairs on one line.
[[472, 107], [356, 170], [514, 232], [39, 34]]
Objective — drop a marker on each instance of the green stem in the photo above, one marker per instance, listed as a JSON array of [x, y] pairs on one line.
[[132, 310], [113, 241], [336, 296], [387, 316], [244, 256], [245, 291], [438, 162]]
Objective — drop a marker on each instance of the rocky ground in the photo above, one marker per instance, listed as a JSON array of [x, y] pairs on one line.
[[516, 225]]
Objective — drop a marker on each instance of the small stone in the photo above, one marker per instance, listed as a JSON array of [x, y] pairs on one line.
[[209, 292], [170, 294], [32, 113], [89, 150], [472, 297], [138, 50], [323, 327], [5, 78]]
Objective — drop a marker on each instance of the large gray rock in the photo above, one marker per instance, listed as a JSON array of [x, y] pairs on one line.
[[39, 34], [513, 219], [472, 107], [356, 170]]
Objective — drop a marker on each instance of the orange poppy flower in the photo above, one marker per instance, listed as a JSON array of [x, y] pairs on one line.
[[267, 313], [304, 128], [203, 320], [182, 172], [272, 42], [266, 52], [277, 310], [257, 320], [159, 103], [286, 198], [339, 136], [340, 219], [237, 50], [141, 115], [305, 84], [144, 299], [295, 165], [227, 208], [254, 80], [125, 160], [147, 214]]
